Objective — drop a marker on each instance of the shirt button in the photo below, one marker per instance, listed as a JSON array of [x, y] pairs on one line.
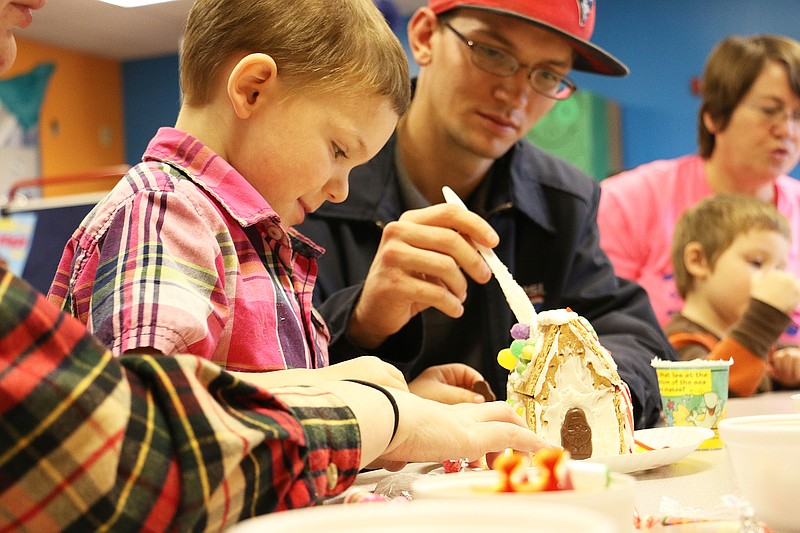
[[275, 233], [332, 474]]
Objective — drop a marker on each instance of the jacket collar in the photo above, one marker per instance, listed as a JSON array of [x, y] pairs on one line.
[[374, 193], [527, 193]]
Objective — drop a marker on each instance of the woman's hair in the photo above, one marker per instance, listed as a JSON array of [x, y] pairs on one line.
[[731, 70], [319, 46], [715, 222]]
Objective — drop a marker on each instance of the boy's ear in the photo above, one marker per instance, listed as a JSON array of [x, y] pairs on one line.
[[248, 82], [421, 27], [709, 123], [695, 260]]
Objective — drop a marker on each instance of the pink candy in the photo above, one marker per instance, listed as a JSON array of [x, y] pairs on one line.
[[520, 331]]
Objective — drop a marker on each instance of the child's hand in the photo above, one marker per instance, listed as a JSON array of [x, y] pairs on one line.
[[777, 288], [450, 383], [784, 366]]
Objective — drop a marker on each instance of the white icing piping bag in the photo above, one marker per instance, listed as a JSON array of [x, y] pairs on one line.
[[517, 300]]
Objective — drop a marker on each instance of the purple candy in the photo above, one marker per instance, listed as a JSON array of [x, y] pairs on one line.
[[521, 331]]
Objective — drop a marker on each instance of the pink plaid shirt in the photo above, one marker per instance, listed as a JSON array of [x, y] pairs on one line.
[[184, 256]]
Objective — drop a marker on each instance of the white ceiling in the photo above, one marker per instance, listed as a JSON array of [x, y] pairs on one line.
[[105, 30]]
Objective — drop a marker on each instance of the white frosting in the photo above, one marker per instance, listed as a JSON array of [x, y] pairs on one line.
[[692, 363], [555, 316], [575, 390]]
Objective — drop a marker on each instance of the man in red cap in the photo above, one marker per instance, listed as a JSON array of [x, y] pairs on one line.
[[398, 282]]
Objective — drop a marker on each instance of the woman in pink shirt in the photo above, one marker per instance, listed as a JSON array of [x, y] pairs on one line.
[[749, 139]]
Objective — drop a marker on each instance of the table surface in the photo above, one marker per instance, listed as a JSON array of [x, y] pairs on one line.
[[704, 476], [697, 481]]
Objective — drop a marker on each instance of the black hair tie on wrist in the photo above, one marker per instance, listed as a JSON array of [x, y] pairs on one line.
[[388, 397]]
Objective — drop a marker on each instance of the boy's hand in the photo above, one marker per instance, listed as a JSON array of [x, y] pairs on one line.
[[777, 288], [784, 366], [419, 264], [451, 383]]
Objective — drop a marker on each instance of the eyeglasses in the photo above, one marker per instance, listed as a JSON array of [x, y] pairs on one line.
[[500, 63], [777, 114]]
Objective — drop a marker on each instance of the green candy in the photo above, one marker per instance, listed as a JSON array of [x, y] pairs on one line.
[[516, 347]]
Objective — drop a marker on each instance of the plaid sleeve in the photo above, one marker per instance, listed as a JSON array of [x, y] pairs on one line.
[[90, 442]]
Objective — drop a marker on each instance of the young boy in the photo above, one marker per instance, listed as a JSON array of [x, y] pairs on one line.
[[193, 251], [729, 253]]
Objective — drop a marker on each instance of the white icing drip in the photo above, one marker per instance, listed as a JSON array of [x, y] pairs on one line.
[[575, 390], [537, 391], [602, 362], [555, 316], [692, 363]]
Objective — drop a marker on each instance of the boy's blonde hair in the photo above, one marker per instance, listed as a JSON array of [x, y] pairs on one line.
[[715, 222], [319, 46]]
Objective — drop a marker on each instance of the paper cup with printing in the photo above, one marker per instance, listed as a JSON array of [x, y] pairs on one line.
[[694, 393]]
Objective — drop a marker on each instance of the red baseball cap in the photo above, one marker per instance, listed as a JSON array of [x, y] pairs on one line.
[[573, 20]]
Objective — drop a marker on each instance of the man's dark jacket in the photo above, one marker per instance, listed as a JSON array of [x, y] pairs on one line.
[[544, 210]]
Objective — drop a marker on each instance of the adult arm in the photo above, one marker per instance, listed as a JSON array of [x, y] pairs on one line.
[[85, 434]]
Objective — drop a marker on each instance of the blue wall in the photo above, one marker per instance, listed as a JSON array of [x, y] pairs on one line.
[[665, 44], [151, 94]]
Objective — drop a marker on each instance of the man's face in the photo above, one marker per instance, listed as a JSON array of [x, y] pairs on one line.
[[13, 14], [481, 112]]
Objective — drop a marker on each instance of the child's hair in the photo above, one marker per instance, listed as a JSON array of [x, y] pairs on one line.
[[715, 222], [319, 46]]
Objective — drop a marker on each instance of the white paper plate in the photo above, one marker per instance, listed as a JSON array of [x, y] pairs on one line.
[[614, 502], [431, 517], [672, 444]]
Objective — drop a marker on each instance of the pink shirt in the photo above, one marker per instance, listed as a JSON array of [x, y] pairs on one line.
[[637, 216], [185, 256]]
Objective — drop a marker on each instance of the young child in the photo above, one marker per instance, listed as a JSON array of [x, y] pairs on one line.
[[729, 253], [193, 251]]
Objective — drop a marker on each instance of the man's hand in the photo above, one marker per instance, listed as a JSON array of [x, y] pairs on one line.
[[451, 383], [421, 262]]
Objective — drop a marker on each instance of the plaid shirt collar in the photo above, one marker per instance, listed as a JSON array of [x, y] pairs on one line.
[[212, 173]]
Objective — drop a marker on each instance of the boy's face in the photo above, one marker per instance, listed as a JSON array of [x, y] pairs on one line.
[[482, 113], [299, 151], [13, 14], [727, 287]]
